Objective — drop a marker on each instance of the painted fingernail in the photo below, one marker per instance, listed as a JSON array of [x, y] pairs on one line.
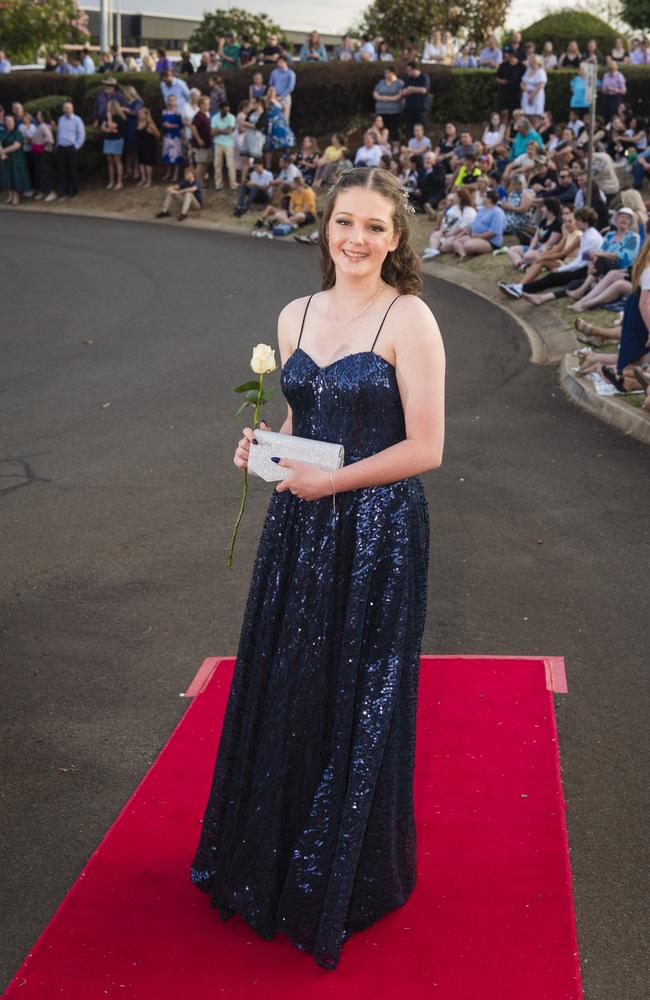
[[255, 441], [274, 458]]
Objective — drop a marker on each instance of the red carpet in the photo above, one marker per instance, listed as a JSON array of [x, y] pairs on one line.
[[491, 917]]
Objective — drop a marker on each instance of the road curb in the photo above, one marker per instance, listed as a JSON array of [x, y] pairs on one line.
[[611, 409]]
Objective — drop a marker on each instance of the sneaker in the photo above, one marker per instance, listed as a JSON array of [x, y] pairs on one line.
[[51, 196], [39, 196], [182, 217], [514, 291], [430, 253], [499, 251], [161, 215]]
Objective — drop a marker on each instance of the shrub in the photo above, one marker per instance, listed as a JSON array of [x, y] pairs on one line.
[[52, 103], [565, 26]]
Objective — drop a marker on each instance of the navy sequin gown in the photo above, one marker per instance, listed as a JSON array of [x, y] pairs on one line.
[[309, 827]]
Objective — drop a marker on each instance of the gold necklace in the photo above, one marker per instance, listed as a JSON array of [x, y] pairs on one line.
[[345, 323]]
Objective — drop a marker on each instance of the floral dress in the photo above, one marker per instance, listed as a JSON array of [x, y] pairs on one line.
[[172, 146], [519, 220], [278, 133]]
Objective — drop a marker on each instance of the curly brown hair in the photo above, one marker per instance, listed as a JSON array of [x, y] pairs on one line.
[[401, 268]]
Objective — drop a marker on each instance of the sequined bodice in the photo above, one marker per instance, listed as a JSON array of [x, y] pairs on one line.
[[354, 401]]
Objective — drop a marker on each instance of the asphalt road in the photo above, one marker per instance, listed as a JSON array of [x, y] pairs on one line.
[[118, 492]]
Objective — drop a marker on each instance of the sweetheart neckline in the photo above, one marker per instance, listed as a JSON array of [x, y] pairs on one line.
[[354, 354]]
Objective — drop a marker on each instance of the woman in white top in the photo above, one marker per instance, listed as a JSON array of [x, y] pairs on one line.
[[190, 108], [456, 221], [533, 90], [549, 59], [494, 132], [368, 155], [435, 51]]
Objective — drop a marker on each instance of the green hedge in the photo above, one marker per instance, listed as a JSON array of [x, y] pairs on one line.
[[566, 26], [329, 98]]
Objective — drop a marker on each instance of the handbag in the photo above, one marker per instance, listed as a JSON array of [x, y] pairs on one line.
[[253, 143], [326, 455]]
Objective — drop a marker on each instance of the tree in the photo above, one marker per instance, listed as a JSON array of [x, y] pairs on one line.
[[563, 26], [636, 13], [256, 27], [415, 19], [28, 25]]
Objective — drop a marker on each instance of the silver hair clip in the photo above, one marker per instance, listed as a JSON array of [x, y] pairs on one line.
[[408, 205]]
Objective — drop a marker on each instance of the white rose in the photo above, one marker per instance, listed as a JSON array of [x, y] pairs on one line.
[[263, 360]]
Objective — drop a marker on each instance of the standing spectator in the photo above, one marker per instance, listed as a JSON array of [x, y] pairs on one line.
[[366, 51], [171, 86], [283, 80], [229, 49], [117, 60], [592, 54], [345, 51], [43, 152], [217, 92], [388, 101], [570, 59], [619, 53], [491, 56], [222, 126], [87, 63], [163, 64], [613, 87], [148, 63], [384, 53], [368, 155], [638, 52], [508, 78], [172, 144], [188, 192], [27, 129], [578, 102], [186, 67], [201, 141], [257, 88], [14, 176], [132, 105], [147, 137], [108, 92], [271, 51], [533, 88], [416, 96], [450, 51], [70, 137], [188, 115], [114, 125], [5, 65], [247, 51], [256, 190], [434, 50], [549, 59], [279, 135], [518, 46], [313, 50], [465, 60]]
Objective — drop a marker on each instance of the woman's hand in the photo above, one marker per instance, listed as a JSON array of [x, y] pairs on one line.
[[306, 481], [244, 446]]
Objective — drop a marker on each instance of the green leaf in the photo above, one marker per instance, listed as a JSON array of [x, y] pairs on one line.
[[245, 386], [252, 396], [243, 407]]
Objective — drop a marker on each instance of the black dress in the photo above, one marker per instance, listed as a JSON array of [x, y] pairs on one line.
[[146, 145], [309, 827]]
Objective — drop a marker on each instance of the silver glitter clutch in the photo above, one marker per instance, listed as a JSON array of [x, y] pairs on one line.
[[325, 454]]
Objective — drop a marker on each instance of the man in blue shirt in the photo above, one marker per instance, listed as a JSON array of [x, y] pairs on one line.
[[525, 134], [169, 84], [5, 65], [70, 137], [284, 81]]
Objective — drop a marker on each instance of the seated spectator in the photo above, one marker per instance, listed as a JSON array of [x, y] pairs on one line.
[[14, 175], [463, 149], [328, 163], [301, 210], [468, 172], [547, 235], [172, 144], [519, 207], [435, 51], [256, 190], [524, 133], [447, 145], [494, 132], [257, 88], [486, 233], [570, 59], [549, 59], [565, 190], [43, 153], [147, 138], [630, 198], [188, 192], [491, 56], [115, 126], [431, 185], [598, 200], [465, 60], [418, 144], [313, 50], [368, 155], [610, 267], [526, 163], [306, 158], [567, 274], [380, 133], [456, 220], [388, 100], [345, 51], [605, 172], [288, 173]]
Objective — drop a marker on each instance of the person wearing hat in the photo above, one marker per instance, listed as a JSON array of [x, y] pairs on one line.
[[108, 92], [229, 49], [509, 75]]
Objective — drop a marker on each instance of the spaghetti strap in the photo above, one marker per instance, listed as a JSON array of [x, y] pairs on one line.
[[383, 320], [304, 317]]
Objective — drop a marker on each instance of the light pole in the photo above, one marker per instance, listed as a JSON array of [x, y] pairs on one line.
[[104, 25]]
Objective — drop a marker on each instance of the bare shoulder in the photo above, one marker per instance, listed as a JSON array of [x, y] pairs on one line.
[[414, 328], [289, 322]]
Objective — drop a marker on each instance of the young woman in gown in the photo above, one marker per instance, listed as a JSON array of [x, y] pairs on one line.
[[309, 827]]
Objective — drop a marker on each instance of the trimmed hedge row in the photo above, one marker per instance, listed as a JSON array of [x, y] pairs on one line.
[[329, 98]]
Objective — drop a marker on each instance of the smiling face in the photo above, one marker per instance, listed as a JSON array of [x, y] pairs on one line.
[[360, 232]]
